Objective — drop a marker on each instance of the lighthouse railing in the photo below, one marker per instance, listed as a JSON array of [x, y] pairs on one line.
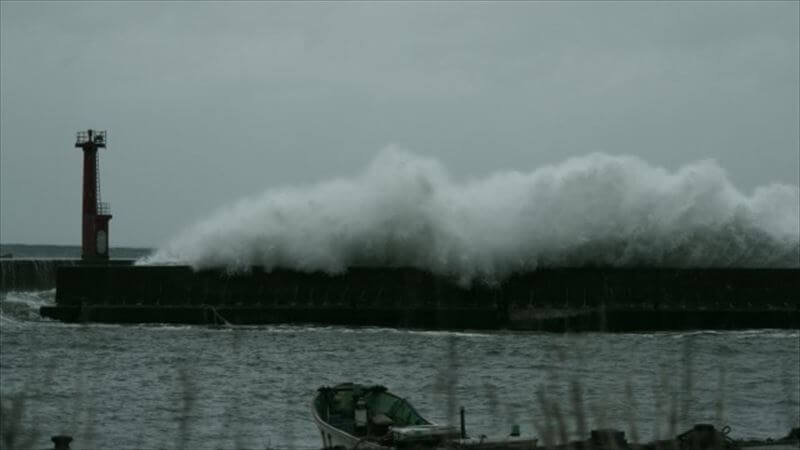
[[97, 137], [103, 208]]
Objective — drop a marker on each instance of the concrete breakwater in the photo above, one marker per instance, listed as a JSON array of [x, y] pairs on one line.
[[36, 274], [31, 274], [554, 299]]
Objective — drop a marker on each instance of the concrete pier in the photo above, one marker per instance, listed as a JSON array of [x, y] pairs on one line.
[[548, 299], [38, 274], [30, 274]]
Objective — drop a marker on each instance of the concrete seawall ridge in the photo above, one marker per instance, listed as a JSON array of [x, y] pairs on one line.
[[557, 299]]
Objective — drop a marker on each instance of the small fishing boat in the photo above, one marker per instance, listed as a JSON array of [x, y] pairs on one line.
[[354, 416]]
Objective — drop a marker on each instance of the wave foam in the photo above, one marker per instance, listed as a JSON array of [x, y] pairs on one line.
[[405, 210]]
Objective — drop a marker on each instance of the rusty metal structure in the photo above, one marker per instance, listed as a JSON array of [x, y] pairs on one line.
[[96, 213]]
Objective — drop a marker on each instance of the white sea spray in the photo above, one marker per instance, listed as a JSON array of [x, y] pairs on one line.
[[406, 210]]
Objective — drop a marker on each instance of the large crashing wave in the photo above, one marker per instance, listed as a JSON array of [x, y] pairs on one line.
[[600, 210]]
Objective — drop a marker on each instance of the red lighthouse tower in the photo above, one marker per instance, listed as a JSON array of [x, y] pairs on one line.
[[96, 214]]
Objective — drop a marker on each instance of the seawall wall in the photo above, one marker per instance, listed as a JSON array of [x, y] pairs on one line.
[[547, 299], [386, 287], [36, 274]]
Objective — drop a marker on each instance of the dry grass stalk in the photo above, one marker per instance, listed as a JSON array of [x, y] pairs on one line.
[[13, 434], [188, 392]]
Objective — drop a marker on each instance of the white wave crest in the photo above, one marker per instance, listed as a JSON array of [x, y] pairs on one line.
[[405, 210], [23, 306]]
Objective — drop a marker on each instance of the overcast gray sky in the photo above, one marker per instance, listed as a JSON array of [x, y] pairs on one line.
[[208, 102]]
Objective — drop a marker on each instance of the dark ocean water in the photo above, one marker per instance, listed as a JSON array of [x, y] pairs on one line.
[[151, 387]]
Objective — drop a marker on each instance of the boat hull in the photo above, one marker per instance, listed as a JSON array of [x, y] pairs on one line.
[[409, 429], [334, 437]]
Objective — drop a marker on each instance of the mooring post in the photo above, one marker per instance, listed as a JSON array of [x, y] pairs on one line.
[[608, 438], [61, 442]]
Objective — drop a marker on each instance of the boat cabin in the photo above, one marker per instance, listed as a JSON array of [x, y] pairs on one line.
[[371, 413]]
